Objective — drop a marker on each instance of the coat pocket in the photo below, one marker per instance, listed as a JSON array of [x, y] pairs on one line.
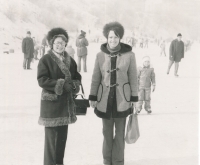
[[127, 91], [100, 93], [48, 96]]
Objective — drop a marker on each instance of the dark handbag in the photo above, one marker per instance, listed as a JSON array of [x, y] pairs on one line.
[[81, 104]]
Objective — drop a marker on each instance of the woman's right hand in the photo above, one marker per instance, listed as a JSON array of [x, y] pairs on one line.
[[93, 104]]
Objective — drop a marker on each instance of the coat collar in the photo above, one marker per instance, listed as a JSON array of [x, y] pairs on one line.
[[64, 66], [124, 48]]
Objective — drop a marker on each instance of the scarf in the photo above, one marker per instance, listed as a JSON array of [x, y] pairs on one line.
[[60, 56], [114, 50]]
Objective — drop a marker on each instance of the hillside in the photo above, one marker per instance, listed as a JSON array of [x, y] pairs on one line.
[[156, 18]]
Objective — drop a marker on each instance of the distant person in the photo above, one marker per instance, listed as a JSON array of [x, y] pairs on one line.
[[146, 80], [35, 49], [162, 48], [133, 42], [187, 45], [28, 50], [141, 42], [43, 46], [146, 43], [70, 50], [82, 43], [176, 53]]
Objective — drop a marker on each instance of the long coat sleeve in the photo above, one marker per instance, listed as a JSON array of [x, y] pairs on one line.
[[114, 83], [51, 76]]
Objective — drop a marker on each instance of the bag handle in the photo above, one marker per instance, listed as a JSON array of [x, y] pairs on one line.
[[83, 93], [82, 89], [80, 95], [134, 110]]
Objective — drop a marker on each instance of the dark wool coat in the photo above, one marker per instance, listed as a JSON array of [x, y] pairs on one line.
[[28, 47], [114, 82], [54, 109], [81, 43], [176, 50]]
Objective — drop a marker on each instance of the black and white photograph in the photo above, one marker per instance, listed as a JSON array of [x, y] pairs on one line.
[[99, 82]]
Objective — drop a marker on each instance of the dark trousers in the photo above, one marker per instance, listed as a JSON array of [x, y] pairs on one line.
[[113, 146], [27, 63], [55, 141], [84, 58], [175, 69]]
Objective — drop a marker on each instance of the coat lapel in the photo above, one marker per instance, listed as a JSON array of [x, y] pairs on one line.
[[64, 66]]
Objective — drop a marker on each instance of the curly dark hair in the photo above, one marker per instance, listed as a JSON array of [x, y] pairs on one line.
[[53, 33], [113, 26]]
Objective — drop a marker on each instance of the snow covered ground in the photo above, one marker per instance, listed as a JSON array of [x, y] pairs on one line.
[[169, 136]]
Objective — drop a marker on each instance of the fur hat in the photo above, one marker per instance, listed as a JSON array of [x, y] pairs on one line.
[[113, 26], [179, 34], [57, 32]]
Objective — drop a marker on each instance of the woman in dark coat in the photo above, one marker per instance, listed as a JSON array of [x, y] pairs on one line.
[[176, 53], [59, 80], [113, 90]]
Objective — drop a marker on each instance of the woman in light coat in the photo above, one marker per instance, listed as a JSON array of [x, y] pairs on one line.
[[113, 90]]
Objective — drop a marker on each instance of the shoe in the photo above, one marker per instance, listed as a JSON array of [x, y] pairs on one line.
[[138, 111], [149, 111], [29, 69], [176, 75]]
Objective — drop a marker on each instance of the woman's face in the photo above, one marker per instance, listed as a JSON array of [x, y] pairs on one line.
[[59, 45], [113, 40]]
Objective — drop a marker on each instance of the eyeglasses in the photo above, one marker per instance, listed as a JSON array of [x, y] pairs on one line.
[[59, 43]]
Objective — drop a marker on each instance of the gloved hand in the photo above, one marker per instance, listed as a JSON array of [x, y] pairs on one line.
[[68, 86], [153, 89], [76, 86]]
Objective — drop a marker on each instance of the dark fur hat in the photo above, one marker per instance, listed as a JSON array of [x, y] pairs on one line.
[[179, 34], [114, 26], [54, 33]]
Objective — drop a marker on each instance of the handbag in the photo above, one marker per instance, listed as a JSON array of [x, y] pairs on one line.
[[132, 131], [81, 104]]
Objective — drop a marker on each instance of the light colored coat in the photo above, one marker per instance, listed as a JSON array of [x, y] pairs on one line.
[[126, 79], [146, 77]]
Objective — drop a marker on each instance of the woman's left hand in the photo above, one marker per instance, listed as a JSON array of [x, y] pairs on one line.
[[133, 104], [93, 104]]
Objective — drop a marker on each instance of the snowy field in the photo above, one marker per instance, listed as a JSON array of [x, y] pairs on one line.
[[169, 136]]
